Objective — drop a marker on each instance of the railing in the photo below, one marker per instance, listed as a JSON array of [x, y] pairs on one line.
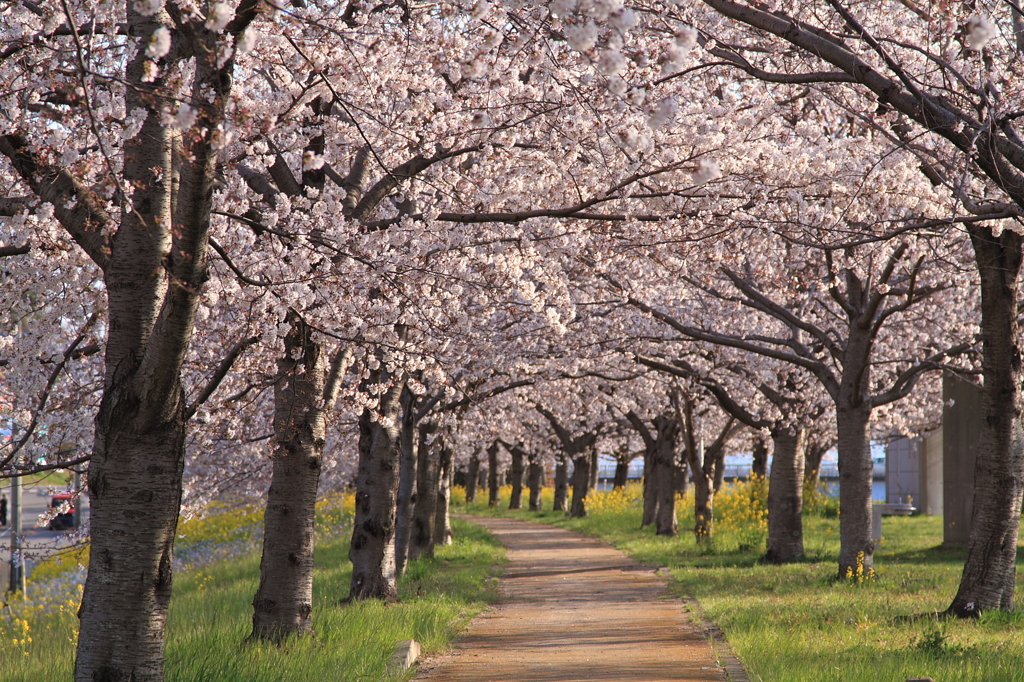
[[732, 471]]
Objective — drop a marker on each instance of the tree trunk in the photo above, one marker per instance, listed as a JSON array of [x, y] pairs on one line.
[[516, 501], [155, 266], [650, 485], [372, 551], [135, 495], [536, 474], [759, 467], [421, 535], [283, 604], [785, 496], [719, 469], [483, 477], [664, 454], [406, 481], [493, 482], [472, 478], [595, 470], [621, 473], [681, 476], [813, 454], [703, 506], [443, 520], [561, 485], [857, 548], [988, 578], [580, 484]]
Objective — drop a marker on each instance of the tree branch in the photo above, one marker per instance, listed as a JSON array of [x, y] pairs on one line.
[[339, 367], [218, 376], [409, 169], [86, 221], [819, 369], [9, 251], [44, 396]]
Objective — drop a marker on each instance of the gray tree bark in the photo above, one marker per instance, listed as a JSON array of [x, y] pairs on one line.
[[580, 485], [988, 579], [759, 467], [421, 536], [483, 477], [442, 518], [406, 480], [857, 547], [138, 451], [621, 473], [702, 466], [492, 475], [682, 477], [472, 476], [667, 430], [719, 469], [651, 499], [785, 496], [561, 485], [535, 475], [660, 464], [372, 550], [517, 471], [814, 453], [304, 395], [578, 450]]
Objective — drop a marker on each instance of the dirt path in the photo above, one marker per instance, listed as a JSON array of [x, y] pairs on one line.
[[574, 608]]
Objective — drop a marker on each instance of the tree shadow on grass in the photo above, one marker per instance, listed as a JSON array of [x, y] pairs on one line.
[[939, 554]]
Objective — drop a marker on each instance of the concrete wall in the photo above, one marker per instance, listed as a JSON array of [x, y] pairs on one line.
[[930, 474], [961, 426], [902, 471]]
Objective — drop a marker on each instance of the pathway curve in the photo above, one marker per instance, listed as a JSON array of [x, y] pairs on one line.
[[575, 609]]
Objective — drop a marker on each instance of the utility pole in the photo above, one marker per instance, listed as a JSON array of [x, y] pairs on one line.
[[17, 583]]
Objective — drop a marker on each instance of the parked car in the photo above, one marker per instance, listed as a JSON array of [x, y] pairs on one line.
[[66, 519]]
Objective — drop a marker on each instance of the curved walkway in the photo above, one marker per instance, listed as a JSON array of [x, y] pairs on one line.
[[574, 608]]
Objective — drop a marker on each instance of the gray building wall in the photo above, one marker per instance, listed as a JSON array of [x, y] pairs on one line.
[[902, 471], [961, 426], [930, 474]]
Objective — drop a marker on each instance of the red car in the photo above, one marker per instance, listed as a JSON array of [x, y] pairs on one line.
[[66, 519]]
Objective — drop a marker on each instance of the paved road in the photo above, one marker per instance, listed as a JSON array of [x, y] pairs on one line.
[[34, 501], [576, 610]]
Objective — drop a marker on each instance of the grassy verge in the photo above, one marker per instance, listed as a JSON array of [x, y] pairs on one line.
[[211, 613], [795, 623]]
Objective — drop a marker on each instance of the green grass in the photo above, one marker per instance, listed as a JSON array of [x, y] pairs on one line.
[[795, 623], [210, 616]]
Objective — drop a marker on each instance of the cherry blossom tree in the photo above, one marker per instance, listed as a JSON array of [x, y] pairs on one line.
[[945, 71]]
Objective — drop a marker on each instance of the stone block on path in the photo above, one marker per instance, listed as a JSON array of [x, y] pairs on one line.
[[407, 652]]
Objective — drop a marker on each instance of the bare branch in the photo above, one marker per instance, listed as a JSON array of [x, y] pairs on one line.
[[818, 368], [85, 221], [8, 251], [395, 177], [490, 393], [234, 268], [37, 468], [716, 389], [218, 376]]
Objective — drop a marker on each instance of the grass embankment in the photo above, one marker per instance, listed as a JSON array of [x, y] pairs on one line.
[[795, 623], [211, 611]]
